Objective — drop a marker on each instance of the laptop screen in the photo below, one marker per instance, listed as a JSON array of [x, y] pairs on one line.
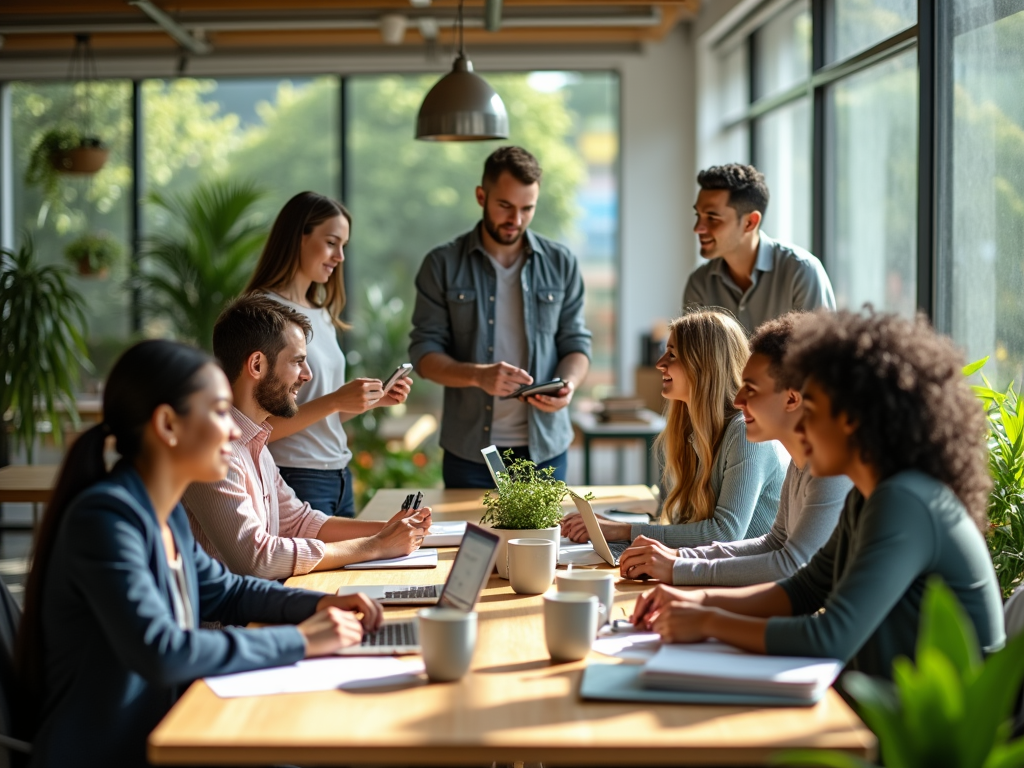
[[494, 462], [471, 569]]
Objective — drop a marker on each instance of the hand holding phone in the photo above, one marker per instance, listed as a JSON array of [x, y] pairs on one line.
[[400, 372], [544, 388]]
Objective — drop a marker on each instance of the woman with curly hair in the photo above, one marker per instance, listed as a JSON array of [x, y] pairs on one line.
[[886, 405], [721, 487]]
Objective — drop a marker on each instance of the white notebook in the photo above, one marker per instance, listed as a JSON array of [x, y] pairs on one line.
[[421, 558], [710, 670], [445, 534]]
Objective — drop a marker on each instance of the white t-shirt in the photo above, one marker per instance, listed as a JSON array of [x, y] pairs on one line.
[[510, 425], [322, 445]]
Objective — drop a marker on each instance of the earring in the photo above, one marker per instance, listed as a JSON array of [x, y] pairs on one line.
[[174, 442]]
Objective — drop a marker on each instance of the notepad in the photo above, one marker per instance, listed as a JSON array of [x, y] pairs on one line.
[[317, 675], [693, 668], [421, 558], [445, 535]]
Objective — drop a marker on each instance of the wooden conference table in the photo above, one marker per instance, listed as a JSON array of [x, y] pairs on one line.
[[514, 705]]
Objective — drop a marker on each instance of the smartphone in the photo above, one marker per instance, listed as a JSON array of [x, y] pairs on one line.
[[400, 373], [547, 388]]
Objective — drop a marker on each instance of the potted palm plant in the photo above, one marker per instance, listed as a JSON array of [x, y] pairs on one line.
[[42, 345], [202, 257], [94, 253], [528, 505]]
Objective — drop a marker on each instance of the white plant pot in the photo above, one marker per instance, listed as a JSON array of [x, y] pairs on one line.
[[553, 535]]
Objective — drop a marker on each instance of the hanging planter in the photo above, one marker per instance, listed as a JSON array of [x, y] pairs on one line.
[[88, 157], [94, 254]]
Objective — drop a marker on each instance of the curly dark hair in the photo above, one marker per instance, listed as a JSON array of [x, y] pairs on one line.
[[901, 383], [748, 191]]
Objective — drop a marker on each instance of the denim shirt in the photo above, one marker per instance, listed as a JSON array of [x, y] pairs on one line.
[[455, 315]]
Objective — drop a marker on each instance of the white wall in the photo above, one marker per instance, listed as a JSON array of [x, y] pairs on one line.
[[657, 150]]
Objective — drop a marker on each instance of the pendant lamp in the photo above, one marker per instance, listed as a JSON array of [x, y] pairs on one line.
[[462, 106]]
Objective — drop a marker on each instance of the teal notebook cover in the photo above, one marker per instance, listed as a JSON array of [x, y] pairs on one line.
[[621, 682]]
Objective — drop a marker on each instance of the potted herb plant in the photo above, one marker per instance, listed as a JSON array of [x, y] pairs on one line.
[[63, 150], [94, 253], [42, 339], [528, 505]]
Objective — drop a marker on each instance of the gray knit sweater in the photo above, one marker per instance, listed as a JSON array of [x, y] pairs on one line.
[[747, 482], [807, 516]]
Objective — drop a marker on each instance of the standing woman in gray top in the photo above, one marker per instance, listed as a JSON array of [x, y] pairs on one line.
[[809, 507], [301, 268], [886, 404], [721, 487]]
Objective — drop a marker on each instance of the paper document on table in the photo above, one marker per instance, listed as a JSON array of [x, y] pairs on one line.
[[627, 645], [704, 667], [633, 518], [577, 554], [421, 558], [445, 535], [316, 675]]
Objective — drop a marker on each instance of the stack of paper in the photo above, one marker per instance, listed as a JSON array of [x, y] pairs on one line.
[[317, 675], [689, 669], [445, 535]]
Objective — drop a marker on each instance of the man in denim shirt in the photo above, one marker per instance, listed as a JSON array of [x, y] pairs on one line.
[[497, 308]]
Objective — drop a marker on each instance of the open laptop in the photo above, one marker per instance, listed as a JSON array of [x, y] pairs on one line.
[[470, 571], [609, 551]]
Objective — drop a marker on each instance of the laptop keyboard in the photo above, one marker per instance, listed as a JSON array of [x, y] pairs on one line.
[[429, 590], [397, 633], [618, 547]]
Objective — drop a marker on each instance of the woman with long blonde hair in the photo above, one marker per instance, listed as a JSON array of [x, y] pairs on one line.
[[720, 487], [301, 267]]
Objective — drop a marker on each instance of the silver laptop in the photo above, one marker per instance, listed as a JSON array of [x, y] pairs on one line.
[[492, 458], [470, 571], [609, 552]]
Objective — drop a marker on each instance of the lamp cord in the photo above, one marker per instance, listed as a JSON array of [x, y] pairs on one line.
[[461, 26]]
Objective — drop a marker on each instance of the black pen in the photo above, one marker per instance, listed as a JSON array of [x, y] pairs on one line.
[[419, 500], [406, 503]]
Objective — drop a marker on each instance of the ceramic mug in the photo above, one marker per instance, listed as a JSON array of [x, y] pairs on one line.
[[570, 624], [447, 639], [601, 584], [531, 565]]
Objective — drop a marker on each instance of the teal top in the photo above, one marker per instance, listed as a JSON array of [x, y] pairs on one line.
[[870, 577]]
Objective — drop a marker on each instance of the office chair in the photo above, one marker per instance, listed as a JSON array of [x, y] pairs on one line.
[[10, 615]]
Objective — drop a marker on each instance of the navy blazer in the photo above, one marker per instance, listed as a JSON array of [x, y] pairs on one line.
[[115, 659]]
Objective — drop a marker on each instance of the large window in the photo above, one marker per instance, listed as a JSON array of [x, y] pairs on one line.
[[987, 279]]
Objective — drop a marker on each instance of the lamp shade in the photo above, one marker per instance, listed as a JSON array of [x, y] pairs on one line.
[[462, 107]]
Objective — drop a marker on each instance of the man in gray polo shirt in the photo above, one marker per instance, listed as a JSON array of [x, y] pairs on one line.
[[754, 277], [497, 308]]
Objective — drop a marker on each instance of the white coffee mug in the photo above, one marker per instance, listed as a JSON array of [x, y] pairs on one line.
[[531, 565], [598, 583], [570, 623], [447, 640]]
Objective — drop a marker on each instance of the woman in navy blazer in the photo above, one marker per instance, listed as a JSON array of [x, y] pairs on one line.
[[110, 636]]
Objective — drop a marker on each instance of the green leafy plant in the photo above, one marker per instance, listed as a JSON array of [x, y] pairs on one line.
[[93, 253], [528, 498], [376, 466], [41, 171], [203, 256], [949, 710], [1006, 464], [42, 345]]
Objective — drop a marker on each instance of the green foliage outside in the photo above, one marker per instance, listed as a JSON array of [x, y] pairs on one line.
[[950, 709], [42, 345], [527, 498], [1005, 417], [204, 258]]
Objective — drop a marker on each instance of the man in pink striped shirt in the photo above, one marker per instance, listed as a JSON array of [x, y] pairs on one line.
[[252, 521]]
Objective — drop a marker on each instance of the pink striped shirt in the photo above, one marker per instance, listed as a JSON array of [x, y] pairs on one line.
[[252, 520]]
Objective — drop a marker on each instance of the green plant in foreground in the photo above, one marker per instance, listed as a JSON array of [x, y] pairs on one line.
[[528, 498], [42, 345], [1005, 417], [94, 252], [203, 259], [949, 710]]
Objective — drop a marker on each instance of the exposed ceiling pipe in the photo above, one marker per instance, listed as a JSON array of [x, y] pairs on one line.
[[651, 19], [181, 35]]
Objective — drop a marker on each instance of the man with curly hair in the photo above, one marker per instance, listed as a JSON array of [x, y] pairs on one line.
[[886, 404], [748, 273]]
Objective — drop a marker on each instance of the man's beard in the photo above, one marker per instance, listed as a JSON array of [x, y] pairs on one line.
[[495, 233], [274, 397]]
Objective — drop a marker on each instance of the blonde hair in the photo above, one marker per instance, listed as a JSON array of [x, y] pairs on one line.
[[712, 348], [280, 258]]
